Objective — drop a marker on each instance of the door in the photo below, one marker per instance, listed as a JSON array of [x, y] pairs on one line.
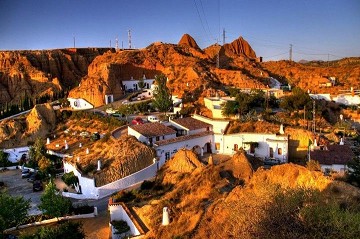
[[271, 152], [236, 147]]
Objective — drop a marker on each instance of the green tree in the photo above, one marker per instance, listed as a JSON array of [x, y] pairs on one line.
[[354, 172], [125, 110], [70, 179], [38, 150], [243, 100], [13, 211], [53, 203], [296, 101], [229, 108], [4, 162], [162, 96], [141, 83]]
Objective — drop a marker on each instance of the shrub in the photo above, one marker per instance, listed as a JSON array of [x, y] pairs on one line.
[[146, 185], [124, 196], [82, 209], [120, 226]]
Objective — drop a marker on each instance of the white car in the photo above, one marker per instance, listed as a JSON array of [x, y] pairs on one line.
[[153, 118], [110, 111]]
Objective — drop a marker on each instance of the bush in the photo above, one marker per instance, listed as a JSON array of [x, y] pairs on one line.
[[146, 185], [120, 226], [124, 196], [313, 165]]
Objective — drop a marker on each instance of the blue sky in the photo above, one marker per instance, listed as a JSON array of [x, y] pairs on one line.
[[316, 29]]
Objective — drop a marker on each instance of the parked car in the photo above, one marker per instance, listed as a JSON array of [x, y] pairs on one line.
[[37, 186], [25, 173], [153, 118], [137, 120]]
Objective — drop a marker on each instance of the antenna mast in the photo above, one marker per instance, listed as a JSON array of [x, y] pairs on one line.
[[117, 43], [129, 38], [290, 53], [223, 35]]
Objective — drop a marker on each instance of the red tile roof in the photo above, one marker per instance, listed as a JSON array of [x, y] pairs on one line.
[[153, 129], [191, 123], [335, 154]]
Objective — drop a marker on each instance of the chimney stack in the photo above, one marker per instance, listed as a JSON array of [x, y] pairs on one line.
[[99, 165], [165, 218]]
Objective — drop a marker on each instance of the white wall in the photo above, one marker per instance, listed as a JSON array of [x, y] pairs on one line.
[[218, 125], [79, 104], [265, 141], [16, 153], [326, 97], [347, 99], [128, 181], [117, 212], [339, 168], [89, 191], [188, 144], [131, 84]]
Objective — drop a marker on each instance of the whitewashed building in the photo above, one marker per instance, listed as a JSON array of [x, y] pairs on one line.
[[79, 104], [133, 84]]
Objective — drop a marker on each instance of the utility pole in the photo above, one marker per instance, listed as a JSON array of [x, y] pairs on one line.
[[129, 38], [74, 41], [110, 43], [290, 53], [313, 124], [223, 35]]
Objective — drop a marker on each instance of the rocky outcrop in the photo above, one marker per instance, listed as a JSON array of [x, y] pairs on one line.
[[240, 47], [41, 120], [35, 73], [188, 40]]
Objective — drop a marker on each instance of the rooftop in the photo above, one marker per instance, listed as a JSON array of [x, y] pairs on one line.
[[182, 138], [191, 123], [334, 154], [153, 129]]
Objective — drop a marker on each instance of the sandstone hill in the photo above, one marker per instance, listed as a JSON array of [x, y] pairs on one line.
[[19, 131], [39, 72], [187, 40], [92, 73], [229, 200]]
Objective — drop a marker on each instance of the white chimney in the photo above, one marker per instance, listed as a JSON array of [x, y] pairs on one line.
[[341, 141], [165, 218], [281, 131], [87, 151], [99, 165], [315, 143], [78, 159], [80, 145], [65, 142], [66, 146], [48, 141]]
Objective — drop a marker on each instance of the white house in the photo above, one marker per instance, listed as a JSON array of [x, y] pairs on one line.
[[133, 84], [214, 105], [263, 145], [333, 157], [79, 104], [151, 132], [187, 133], [15, 154]]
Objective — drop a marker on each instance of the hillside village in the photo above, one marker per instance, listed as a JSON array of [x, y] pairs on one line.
[[181, 170]]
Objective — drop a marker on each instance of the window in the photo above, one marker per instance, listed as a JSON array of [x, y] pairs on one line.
[[271, 153], [236, 147], [217, 146], [167, 156], [279, 151], [157, 138]]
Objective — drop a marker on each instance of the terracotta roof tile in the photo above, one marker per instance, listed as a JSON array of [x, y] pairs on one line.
[[191, 123], [153, 129], [335, 154]]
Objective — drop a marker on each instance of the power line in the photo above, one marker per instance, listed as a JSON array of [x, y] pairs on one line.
[[202, 24], [207, 24]]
